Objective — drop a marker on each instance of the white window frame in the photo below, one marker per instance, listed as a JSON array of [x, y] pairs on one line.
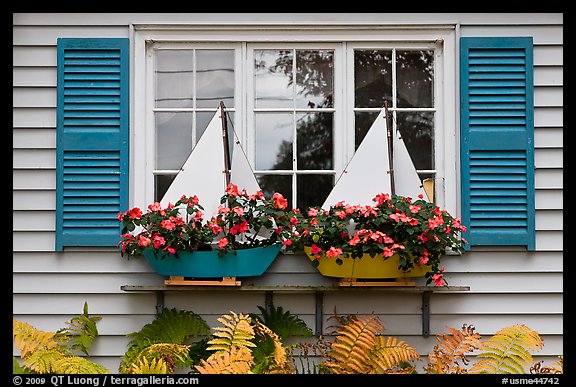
[[441, 37]]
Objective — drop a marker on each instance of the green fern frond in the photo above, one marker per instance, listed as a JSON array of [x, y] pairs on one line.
[[509, 351], [172, 326], [78, 365], [284, 323], [29, 339], [82, 330], [279, 354], [391, 355], [154, 366], [237, 360]]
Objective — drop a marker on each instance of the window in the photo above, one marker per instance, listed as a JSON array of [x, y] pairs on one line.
[[300, 108]]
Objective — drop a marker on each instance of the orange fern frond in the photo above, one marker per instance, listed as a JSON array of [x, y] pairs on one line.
[[237, 360], [452, 349]]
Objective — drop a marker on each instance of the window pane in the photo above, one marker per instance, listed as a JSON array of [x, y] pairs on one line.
[[214, 78], [372, 78], [274, 140], [417, 130], [314, 79], [363, 122], [273, 78], [173, 139], [174, 78], [415, 77], [276, 183], [161, 184], [313, 190], [315, 140]]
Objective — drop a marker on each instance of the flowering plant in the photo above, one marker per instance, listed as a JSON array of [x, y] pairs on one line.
[[418, 231], [243, 221]]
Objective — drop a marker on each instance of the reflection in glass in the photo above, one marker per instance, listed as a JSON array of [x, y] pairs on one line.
[[315, 140], [273, 78], [161, 184], [274, 136], [214, 78], [417, 130], [174, 78], [276, 183], [173, 139], [415, 73], [363, 122], [372, 78], [314, 79], [313, 190]]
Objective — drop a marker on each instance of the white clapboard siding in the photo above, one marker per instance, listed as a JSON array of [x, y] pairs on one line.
[[550, 220], [28, 179], [508, 285], [34, 117], [548, 158], [548, 76], [34, 159], [549, 240], [34, 200], [36, 77], [548, 97], [549, 137], [549, 199], [47, 36], [30, 97], [34, 138], [79, 262]]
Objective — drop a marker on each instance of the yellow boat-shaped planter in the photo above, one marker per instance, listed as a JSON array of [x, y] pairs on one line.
[[365, 267]]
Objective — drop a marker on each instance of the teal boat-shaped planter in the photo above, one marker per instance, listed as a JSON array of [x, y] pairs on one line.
[[206, 264]]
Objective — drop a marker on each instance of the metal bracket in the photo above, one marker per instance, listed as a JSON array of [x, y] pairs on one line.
[[319, 302], [426, 313], [159, 301]]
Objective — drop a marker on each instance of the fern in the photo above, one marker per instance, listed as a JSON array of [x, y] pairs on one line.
[[351, 351], [452, 349], [393, 356], [509, 351], [77, 365], [283, 323], [43, 360], [555, 368], [29, 339], [154, 366], [171, 326], [82, 330], [172, 356], [234, 360], [237, 331]]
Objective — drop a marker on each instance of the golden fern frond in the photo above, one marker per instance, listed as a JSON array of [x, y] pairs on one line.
[[236, 360], [237, 330], [42, 361], [509, 351], [29, 339], [154, 366], [173, 355], [77, 365], [452, 349], [391, 356], [353, 345]]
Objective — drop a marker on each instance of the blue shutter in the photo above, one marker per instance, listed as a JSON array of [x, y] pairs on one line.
[[497, 140], [92, 141]]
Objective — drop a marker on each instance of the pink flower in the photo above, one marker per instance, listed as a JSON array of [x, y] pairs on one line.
[[334, 252], [144, 241], [315, 249], [222, 243], [438, 279]]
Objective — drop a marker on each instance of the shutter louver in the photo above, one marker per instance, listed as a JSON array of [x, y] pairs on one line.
[[497, 141], [92, 141]]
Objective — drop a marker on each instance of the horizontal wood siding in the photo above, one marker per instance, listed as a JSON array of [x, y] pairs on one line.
[[507, 285]]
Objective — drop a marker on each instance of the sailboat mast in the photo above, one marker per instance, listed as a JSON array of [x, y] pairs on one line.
[[390, 148], [225, 143]]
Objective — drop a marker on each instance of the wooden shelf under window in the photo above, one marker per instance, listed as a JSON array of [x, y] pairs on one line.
[[319, 291]]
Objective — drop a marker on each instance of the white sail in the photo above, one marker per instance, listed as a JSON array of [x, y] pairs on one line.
[[368, 172], [204, 172]]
